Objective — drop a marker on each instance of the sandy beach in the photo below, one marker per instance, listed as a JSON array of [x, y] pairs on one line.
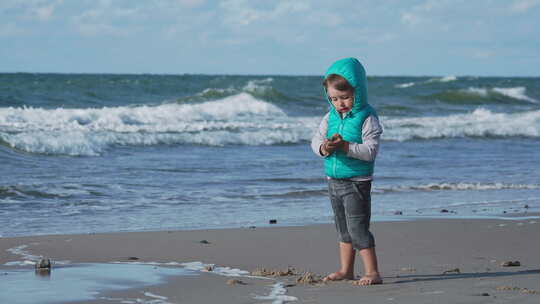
[[423, 261]]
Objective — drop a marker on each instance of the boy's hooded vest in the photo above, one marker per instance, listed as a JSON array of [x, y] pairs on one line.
[[338, 164]]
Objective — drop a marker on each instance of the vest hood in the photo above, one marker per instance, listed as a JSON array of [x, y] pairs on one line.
[[352, 70]]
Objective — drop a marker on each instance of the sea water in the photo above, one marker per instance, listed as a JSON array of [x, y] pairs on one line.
[[83, 282], [83, 153]]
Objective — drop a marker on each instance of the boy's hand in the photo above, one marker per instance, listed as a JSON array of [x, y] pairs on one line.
[[327, 147], [336, 142], [339, 143]]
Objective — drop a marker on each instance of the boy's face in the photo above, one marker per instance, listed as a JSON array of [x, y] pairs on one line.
[[342, 100]]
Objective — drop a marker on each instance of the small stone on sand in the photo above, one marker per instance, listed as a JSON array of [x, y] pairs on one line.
[[273, 221], [133, 258], [204, 242], [511, 264], [235, 282], [455, 270], [43, 264], [290, 285], [444, 211]]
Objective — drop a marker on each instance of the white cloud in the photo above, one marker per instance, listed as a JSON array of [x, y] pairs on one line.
[[191, 3], [46, 12], [103, 18], [521, 6], [10, 29], [410, 18], [241, 12], [42, 10], [238, 12]]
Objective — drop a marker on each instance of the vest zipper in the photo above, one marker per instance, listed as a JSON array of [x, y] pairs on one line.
[[334, 167]]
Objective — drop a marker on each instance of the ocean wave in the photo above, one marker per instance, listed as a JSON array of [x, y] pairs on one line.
[[514, 92], [258, 88], [238, 119], [458, 187], [431, 80], [479, 123], [213, 93], [258, 85], [443, 79], [43, 191], [477, 95], [404, 85], [261, 88]]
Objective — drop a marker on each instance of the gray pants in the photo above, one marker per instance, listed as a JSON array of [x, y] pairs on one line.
[[351, 202]]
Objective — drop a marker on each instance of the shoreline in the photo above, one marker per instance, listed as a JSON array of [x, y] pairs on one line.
[[514, 216], [416, 260]]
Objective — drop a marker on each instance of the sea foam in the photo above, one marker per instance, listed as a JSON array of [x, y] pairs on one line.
[[405, 85], [479, 123], [513, 92], [443, 79], [458, 187], [431, 80], [238, 119]]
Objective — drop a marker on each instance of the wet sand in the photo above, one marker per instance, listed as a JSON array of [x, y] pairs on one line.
[[423, 261]]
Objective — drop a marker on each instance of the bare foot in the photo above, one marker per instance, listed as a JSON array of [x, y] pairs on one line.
[[369, 279], [338, 276]]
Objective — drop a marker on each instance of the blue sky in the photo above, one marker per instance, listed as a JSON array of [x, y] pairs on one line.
[[391, 37]]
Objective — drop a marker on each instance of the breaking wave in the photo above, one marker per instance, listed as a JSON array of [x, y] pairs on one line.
[[443, 79], [482, 95], [239, 119], [480, 123], [515, 93], [459, 187], [404, 85], [258, 88], [437, 79]]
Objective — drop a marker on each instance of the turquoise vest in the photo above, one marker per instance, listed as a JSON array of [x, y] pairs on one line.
[[338, 164]]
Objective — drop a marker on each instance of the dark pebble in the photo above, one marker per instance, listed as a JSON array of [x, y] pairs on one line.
[[273, 221], [511, 264], [133, 258], [204, 242], [444, 211], [526, 206], [485, 294], [398, 213], [290, 285], [43, 264]]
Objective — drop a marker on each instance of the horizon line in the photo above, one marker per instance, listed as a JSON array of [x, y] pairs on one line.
[[267, 75]]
